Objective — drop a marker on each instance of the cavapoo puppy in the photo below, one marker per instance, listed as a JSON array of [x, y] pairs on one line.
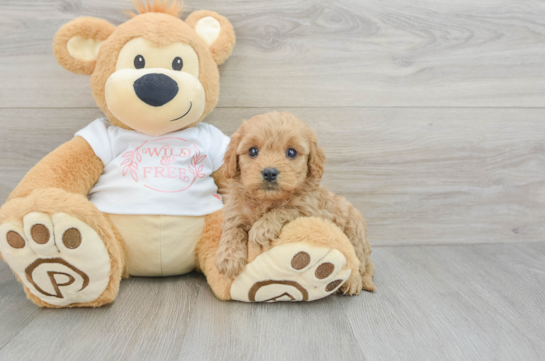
[[274, 167]]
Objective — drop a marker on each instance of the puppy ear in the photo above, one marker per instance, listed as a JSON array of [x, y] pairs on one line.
[[77, 42], [216, 31], [316, 160], [230, 161]]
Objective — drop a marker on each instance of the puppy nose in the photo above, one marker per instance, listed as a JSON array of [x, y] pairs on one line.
[[270, 174], [155, 89]]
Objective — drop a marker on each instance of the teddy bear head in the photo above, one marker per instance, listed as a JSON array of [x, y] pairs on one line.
[[154, 73]]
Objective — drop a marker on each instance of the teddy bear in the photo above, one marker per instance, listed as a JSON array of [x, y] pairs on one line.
[[138, 193]]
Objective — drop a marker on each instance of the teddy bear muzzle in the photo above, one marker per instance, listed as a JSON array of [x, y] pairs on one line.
[[155, 101]]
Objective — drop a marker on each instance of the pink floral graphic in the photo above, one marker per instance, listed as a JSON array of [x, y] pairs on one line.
[[197, 159], [130, 165]]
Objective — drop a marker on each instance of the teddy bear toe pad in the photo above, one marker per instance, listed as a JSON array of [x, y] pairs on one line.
[[291, 272], [59, 258]]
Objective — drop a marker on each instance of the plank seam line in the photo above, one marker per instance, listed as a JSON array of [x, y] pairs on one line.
[[143, 313], [191, 314], [36, 314], [280, 107], [347, 319], [453, 244]]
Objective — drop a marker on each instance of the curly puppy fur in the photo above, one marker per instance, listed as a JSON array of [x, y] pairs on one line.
[[256, 210]]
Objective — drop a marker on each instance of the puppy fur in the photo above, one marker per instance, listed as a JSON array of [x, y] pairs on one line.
[[256, 210]]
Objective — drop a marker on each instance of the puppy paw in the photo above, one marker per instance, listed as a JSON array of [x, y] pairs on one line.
[[262, 235], [352, 286], [367, 282], [229, 265]]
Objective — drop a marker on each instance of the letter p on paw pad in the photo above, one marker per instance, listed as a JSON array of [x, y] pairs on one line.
[[59, 258]]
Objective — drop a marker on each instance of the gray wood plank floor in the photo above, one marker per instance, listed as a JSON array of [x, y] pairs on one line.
[[467, 302]]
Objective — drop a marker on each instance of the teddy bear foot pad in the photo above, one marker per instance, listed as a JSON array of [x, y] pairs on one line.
[[59, 258], [291, 272]]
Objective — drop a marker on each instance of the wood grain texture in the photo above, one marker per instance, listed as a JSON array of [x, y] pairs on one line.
[[15, 311], [472, 302], [454, 303], [147, 313], [420, 176], [316, 53]]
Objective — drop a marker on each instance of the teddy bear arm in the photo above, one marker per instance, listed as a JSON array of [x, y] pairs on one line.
[[220, 179], [72, 167]]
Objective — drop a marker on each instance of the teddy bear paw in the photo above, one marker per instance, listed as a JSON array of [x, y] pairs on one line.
[[292, 272], [59, 258]]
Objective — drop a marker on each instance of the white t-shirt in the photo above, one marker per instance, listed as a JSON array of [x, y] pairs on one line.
[[166, 175]]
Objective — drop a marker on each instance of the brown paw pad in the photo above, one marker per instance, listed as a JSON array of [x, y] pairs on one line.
[[40, 234], [71, 238], [15, 240], [332, 285], [300, 260], [324, 270]]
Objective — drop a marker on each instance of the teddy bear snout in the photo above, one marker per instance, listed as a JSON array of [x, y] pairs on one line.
[[155, 89]]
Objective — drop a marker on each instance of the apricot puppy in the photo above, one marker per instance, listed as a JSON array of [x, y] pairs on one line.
[[274, 167]]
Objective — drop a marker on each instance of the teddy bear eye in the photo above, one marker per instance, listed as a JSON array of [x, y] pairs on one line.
[[139, 62], [177, 63], [291, 153], [253, 152]]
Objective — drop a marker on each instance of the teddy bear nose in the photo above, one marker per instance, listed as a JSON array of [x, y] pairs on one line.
[[155, 89]]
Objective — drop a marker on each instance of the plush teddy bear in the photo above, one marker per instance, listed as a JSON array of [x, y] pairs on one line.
[[136, 193]]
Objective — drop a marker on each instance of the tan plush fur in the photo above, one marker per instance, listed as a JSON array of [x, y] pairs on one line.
[[73, 167], [205, 255], [86, 27], [324, 233], [256, 210], [159, 6], [61, 180], [160, 28], [222, 48], [312, 230], [54, 200]]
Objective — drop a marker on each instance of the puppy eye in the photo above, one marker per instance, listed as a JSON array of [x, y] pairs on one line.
[[253, 152], [291, 153], [139, 62], [177, 63]]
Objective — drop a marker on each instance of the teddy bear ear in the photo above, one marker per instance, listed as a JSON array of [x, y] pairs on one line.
[[77, 42], [216, 31]]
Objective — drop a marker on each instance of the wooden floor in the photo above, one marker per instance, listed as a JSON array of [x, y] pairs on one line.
[[468, 302], [432, 115]]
